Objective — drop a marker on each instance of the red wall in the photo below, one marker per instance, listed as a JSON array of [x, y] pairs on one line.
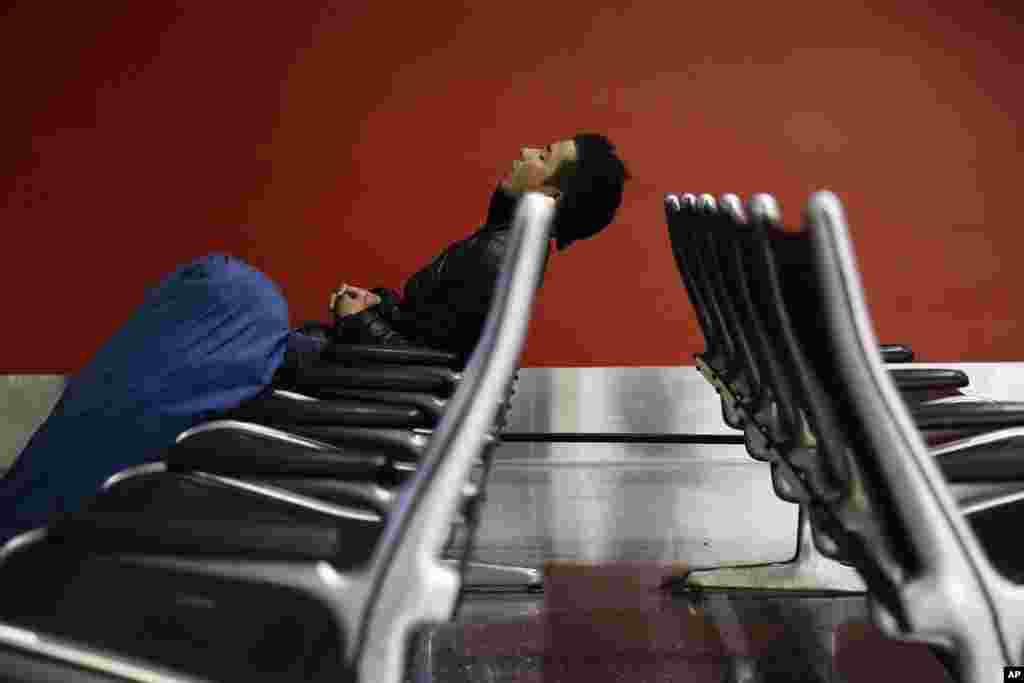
[[302, 135]]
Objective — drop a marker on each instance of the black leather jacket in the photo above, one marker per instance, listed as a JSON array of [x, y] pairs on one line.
[[446, 303]]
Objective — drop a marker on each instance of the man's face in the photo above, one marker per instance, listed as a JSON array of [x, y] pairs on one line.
[[536, 168]]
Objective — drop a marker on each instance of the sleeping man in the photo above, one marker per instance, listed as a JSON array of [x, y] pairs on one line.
[[445, 304], [216, 331]]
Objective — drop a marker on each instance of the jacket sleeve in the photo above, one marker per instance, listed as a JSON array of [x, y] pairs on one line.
[[368, 327], [388, 307], [302, 341]]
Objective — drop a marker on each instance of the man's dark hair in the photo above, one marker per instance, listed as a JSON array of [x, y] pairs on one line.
[[591, 189]]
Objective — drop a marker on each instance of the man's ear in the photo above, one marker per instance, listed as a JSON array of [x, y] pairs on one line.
[[552, 191]]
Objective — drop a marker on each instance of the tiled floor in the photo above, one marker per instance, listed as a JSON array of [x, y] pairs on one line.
[[610, 623]]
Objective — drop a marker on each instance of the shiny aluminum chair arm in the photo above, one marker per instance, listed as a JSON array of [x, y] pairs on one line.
[[238, 448], [287, 407], [431, 406], [405, 445], [31, 656]]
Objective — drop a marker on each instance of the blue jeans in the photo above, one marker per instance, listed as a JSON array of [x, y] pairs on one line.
[[208, 337]]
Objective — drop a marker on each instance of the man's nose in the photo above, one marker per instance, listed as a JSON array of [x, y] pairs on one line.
[[526, 153]]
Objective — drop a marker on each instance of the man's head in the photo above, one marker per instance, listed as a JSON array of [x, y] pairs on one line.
[[583, 174]]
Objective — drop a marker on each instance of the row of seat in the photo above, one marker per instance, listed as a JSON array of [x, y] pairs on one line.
[[298, 537], [791, 351]]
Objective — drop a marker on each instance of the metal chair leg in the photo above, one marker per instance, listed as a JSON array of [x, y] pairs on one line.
[[809, 570], [482, 577]]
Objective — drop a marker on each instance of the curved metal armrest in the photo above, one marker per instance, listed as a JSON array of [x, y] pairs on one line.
[[30, 656], [399, 355], [968, 415], [286, 408], [431, 406], [350, 494], [246, 450], [910, 379], [396, 444], [897, 353], [425, 378]]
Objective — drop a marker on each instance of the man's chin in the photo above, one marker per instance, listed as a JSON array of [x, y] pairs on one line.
[[509, 189]]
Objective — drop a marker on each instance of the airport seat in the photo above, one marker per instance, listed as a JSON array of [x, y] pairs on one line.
[[937, 570], [240, 446], [375, 583], [324, 374], [718, 268]]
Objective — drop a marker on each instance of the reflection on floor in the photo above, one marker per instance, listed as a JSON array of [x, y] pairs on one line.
[[607, 622]]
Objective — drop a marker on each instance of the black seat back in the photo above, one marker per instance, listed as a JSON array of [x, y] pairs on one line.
[[896, 520], [784, 297], [212, 628], [778, 408], [687, 218], [716, 238], [678, 216], [688, 250], [773, 432]]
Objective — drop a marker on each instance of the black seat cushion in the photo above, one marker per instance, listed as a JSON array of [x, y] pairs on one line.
[[897, 353], [219, 629], [998, 531], [999, 461], [929, 378], [188, 535], [398, 355], [986, 414], [194, 516], [426, 378]]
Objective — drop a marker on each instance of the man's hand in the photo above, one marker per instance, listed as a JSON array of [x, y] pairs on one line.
[[349, 300]]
